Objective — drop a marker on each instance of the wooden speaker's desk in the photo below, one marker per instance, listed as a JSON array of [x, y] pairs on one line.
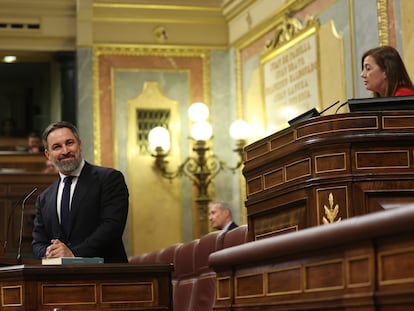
[[86, 287], [329, 168]]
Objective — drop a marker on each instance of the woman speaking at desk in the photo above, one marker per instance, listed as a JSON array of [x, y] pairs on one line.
[[384, 73]]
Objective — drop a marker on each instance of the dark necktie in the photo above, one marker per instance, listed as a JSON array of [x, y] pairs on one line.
[[64, 205]]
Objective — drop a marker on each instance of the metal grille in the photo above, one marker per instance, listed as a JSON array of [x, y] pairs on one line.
[[147, 119]]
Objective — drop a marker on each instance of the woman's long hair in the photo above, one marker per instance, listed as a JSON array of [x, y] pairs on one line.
[[389, 60]]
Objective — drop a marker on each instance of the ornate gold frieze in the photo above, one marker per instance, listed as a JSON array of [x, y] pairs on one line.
[[152, 50]]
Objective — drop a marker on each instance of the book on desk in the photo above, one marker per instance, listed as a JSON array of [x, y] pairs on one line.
[[72, 260]]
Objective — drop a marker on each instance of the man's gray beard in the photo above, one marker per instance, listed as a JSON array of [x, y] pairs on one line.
[[68, 167]]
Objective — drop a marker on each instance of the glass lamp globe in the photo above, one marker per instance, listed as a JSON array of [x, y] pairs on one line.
[[159, 137], [239, 130], [201, 130], [198, 112]]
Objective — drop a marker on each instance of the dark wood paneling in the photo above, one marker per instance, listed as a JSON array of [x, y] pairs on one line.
[[86, 287], [363, 263]]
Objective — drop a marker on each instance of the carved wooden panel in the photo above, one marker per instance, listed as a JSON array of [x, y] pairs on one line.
[[327, 163], [284, 221], [312, 280], [332, 204], [364, 263]]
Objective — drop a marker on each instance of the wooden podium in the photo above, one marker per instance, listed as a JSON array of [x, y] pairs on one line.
[[86, 287], [353, 172], [327, 169]]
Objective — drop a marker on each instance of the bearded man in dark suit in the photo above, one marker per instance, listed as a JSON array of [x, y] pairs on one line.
[[93, 223]]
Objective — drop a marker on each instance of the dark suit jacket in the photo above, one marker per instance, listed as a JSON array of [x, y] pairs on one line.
[[99, 212], [232, 225]]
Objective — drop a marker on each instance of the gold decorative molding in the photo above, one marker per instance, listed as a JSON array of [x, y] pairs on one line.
[[268, 24], [160, 34], [234, 8], [351, 21], [11, 296], [285, 31], [151, 50], [164, 7], [383, 23], [331, 212], [96, 110], [401, 275]]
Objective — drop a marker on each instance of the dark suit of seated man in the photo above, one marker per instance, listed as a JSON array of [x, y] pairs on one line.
[[220, 216], [94, 220]]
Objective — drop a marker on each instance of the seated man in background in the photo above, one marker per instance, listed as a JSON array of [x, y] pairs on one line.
[[220, 216], [50, 168], [34, 143]]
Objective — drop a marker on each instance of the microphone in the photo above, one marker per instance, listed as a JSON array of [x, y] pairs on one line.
[[329, 107], [340, 106], [8, 224], [312, 113], [19, 251], [9, 220]]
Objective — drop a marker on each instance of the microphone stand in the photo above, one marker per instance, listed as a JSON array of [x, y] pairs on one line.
[[340, 106], [8, 223], [19, 251], [329, 107]]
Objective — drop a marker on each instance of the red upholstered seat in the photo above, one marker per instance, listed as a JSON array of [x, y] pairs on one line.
[[137, 258], [186, 274], [151, 257], [169, 255], [235, 237], [208, 244], [193, 280], [205, 287]]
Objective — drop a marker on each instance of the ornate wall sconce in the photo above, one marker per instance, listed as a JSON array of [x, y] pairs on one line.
[[204, 166]]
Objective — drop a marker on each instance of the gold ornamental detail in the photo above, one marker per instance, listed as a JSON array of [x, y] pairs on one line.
[[331, 212], [383, 22]]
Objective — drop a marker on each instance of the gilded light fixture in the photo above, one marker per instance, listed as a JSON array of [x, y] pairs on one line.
[[204, 166]]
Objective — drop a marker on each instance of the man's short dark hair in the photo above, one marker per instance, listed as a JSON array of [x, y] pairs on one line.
[[59, 125]]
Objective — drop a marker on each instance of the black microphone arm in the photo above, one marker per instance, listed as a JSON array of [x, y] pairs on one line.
[[19, 251], [9, 220], [329, 107], [340, 106]]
